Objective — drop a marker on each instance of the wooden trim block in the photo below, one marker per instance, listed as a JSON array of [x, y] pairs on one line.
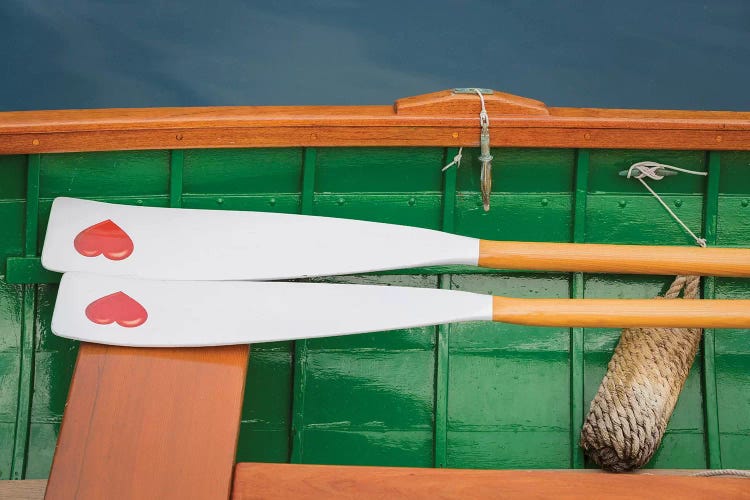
[[446, 102], [150, 423], [266, 481]]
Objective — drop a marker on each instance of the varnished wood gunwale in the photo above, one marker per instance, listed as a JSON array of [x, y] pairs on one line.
[[439, 119], [266, 481]]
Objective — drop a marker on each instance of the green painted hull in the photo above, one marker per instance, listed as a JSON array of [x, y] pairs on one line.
[[469, 395]]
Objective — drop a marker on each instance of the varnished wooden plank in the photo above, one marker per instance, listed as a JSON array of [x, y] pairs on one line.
[[256, 481], [150, 423], [318, 135], [439, 119], [30, 489], [346, 116]]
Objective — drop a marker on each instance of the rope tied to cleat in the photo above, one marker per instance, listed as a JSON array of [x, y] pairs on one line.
[[630, 411]]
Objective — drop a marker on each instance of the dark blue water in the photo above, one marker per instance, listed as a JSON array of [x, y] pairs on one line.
[[680, 54]]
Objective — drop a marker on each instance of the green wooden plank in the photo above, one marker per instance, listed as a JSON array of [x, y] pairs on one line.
[[361, 389], [53, 362], [411, 209], [442, 357], [732, 349], [379, 170], [516, 216], [639, 219], [11, 326], [734, 200], [11, 230], [308, 180], [711, 405], [509, 384], [374, 446], [26, 368], [684, 444], [300, 346], [29, 270], [732, 358], [735, 166], [242, 171], [13, 170], [266, 413], [32, 208], [110, 173], [176, 164], [442, 354], [268, 202], [577, 409], [520, 170], [734, 223]]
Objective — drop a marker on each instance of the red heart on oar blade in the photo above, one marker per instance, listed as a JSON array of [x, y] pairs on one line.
[[106, 238], [117, 307]]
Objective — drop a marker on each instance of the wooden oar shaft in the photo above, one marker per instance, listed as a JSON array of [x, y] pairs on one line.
[[627, 259], [622, 313]]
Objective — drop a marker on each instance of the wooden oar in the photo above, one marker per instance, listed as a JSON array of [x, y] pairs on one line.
[[133, 312], [184, 244]]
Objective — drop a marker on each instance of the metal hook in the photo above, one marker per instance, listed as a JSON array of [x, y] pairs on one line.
[[485, 157], [485, 178]]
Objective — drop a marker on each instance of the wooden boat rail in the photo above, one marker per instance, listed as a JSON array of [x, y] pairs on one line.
[[438, 119]]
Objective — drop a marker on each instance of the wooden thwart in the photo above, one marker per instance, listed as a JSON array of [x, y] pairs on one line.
[[256, 481], [150, 423]]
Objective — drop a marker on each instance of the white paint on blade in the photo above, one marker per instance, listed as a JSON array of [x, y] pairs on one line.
[[205, 313], [185, 244]]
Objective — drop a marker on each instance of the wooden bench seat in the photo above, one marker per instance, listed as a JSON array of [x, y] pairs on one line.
[[256, 481], [150, 423]]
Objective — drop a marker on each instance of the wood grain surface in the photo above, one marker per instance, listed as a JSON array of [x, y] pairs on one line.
[[623, 313], [625, 259], [439, 119], [150, 423], [266, 481], [30, 489]]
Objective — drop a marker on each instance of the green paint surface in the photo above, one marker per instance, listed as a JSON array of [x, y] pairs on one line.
[[474, 395]]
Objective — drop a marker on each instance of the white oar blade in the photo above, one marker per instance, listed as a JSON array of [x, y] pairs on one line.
[[185, 244], [148, 313]]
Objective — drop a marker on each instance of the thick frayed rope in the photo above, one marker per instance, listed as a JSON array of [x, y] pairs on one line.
[[631, 410]]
